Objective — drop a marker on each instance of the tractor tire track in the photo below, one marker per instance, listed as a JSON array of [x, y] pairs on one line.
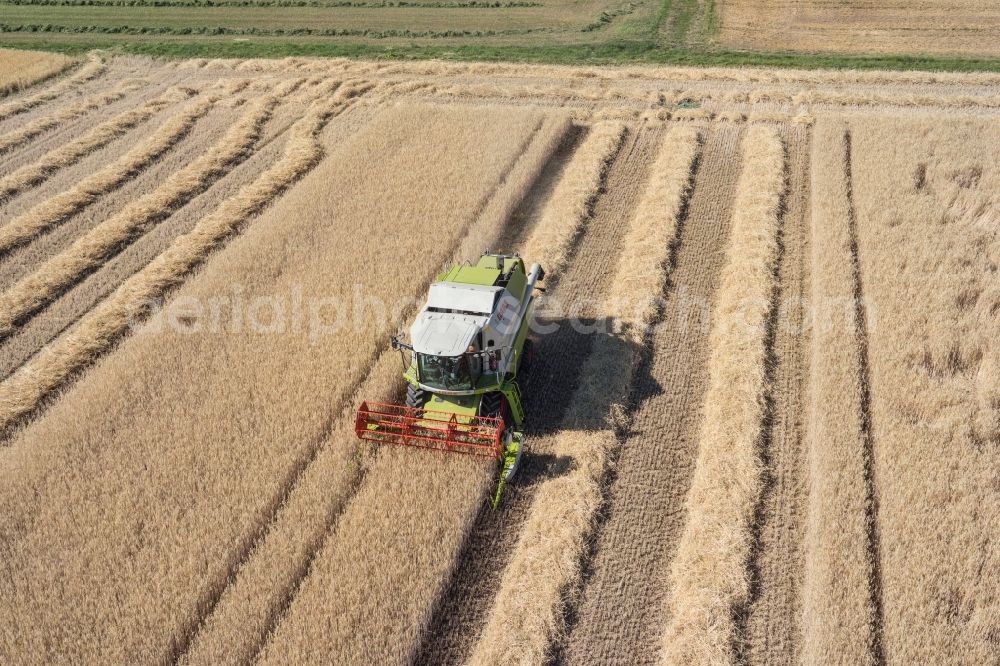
[[840, 616], [621, 616], [558, 357], [876, 648]]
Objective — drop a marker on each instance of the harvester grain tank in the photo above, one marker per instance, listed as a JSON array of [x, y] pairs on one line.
[[464, 365]]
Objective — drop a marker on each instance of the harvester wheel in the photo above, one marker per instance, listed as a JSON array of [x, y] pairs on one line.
[[415, 396], [495, 405], [490, 404]]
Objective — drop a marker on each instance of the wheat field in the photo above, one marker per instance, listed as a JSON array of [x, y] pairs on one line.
[[762, 422], [20, 69]]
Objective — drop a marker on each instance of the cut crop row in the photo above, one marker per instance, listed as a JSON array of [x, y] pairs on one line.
[[51, 212], [709, 575]]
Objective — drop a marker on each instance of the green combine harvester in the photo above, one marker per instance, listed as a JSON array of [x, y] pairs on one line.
[[469, 349]]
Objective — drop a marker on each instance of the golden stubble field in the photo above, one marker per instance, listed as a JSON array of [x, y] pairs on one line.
[[969, 28], [764, 420]]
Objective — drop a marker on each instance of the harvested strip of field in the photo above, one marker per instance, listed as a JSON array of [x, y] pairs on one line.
[[708, 577], [29, 251], [529, 611], [847, 97], [910, 91], [928, 251], [220, 478], [35, 290], [99, 136], [452, 69], [76, 301], [839, 617], [109, 321], [773, 623], [36, 127], [60, 207], [570, 204], [620, 617], [20, 69], [723, 96], [410, 574], [643, 266], [89, 71]]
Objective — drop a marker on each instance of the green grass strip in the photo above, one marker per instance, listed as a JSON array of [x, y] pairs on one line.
[[253, 31], [609, 53]]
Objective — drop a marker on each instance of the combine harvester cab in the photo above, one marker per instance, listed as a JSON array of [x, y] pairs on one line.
[[469, 350]]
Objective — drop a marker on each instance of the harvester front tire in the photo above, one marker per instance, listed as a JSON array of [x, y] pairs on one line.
[[491, 405], [415, 396], [495, 406]]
